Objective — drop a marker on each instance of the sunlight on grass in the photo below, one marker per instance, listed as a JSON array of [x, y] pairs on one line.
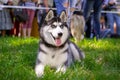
[[22, 41]]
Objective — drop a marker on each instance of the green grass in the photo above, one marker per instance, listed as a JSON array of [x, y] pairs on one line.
[[18, 56]]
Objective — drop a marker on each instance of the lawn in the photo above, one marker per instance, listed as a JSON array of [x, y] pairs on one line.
[[18, 56]]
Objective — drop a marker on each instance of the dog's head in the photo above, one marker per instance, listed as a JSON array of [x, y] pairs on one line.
[[54, 30]]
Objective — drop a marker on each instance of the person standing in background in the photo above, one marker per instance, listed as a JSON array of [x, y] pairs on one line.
[[96, 5], [76, 6], [110, 5], [15, 31], [5, 17], [42, 12], [61, 5], [31, 12]]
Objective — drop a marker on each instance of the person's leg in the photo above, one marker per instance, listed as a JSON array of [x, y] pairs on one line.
[[16, 26], [87, 11], [24, 32], [29, 32], [59, 6], [30, 21], [117, 20], [105, 33], [88, 28], [24, 29], [97, 14], [110, 22], [20, 29], [3, 32]]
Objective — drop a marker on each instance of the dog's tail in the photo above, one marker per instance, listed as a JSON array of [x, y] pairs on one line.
[[76, 52]]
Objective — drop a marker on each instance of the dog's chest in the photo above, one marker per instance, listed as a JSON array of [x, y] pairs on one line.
[[53, 56]]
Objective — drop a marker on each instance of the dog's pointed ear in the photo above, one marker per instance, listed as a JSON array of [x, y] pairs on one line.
[[49, 15], [63, 16]]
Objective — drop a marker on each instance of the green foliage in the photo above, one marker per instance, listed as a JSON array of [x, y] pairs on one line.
[[18, 56]]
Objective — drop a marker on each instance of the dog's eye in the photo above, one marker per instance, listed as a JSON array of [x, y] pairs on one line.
[[53, 26], [61, 26]]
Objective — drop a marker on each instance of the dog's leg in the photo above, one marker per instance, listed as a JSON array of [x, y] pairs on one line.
[[39, 70], [77, 53], [61, 69]]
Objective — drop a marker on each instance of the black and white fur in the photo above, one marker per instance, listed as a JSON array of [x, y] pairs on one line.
[[55, 49]]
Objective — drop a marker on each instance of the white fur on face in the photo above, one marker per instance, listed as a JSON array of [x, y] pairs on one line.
[[50, 33], [55, 31]]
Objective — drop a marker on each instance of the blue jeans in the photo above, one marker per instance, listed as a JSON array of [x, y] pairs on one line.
[[105, 33], [96, 5], [111, 18], [59, 6]]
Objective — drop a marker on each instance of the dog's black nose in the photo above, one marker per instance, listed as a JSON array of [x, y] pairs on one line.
[[60, 34]]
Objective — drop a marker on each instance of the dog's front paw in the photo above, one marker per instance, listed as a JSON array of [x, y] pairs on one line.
[[39, 73], [39, 70], [61, 69]]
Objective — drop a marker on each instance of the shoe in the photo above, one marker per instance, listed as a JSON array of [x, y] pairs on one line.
[[115, 36]]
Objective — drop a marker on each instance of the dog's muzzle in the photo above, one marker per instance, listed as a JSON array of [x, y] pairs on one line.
[[58, 40], [60, 34]]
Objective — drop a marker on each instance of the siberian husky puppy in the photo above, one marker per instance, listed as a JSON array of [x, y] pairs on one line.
[[55, 48]]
